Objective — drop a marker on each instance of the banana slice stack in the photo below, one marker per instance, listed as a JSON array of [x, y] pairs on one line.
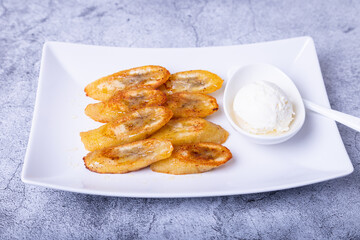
[[154, 118]]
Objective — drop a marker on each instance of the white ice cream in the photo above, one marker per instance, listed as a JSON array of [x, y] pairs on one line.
[[263, 108]]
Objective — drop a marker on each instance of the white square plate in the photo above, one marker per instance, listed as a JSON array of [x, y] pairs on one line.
[[54, 154]]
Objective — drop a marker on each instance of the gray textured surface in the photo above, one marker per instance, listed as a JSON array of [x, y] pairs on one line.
[[328, 210]]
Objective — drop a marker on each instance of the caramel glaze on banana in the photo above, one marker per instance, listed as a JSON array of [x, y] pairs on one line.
[[140, 77], [193, 158]]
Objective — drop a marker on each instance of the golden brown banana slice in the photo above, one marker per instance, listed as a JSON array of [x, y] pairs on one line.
[[135, 125], [191, 130], [198, 81], [193, 158], [128, 157], [123, 102], [140, 77], [185, 104]]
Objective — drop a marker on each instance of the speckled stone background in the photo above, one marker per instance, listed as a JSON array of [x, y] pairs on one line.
[[329, 210]]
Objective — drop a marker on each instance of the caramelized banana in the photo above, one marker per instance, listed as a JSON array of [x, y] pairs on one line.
[[128, 157], [193, 158], [191, 104], [191, 130], [123, 102], [197, 81], [146, 76], [135, 125]]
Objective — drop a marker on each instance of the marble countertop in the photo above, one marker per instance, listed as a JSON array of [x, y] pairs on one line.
[[328, 210]]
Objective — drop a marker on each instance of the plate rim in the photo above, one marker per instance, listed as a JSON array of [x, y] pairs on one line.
[[182, 195], [305, 37]]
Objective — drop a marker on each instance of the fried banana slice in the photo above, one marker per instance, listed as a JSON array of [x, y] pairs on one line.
[[135, 125], [197, 81], [185, 104], [193, 158], [191, 130], [146, 76], [123, 102], [128, 157]]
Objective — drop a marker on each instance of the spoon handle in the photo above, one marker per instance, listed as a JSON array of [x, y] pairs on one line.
[[346, 119]]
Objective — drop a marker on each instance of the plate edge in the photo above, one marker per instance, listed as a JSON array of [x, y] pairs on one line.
[[166, 48], [207, 194], [35, 114], [318, 67]]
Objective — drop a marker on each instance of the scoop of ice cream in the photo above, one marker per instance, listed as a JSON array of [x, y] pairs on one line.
[[263, 108]]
